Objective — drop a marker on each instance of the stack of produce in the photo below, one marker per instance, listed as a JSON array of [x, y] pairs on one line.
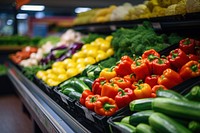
[[23, 54], [139, 78], [96, 51], [148, 9], [169, 112]]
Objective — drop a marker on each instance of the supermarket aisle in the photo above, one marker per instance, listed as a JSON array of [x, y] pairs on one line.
[[12, 118]]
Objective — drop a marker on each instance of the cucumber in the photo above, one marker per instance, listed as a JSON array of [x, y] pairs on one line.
[[68, 90], [125, 119], [80, 86], [194, 93], [67, 83], [177, 108], [163, 124], [169, 94], [75, 95], [126, 128], [141, 104], [144, 128], [194, 126], [140, 117], [87, 81]]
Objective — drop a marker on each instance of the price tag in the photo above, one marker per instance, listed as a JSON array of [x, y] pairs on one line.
[[156, 26]]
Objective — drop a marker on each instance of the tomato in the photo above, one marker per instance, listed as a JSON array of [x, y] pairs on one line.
[[49, 71], [71, 65], [62, 77], [58, 70], [58, 64], [89, 60], [72, 72], [40, 74], [78, 55], [52, 76], [109, 38], [105, 45], [67, 61], [80, 61], [101, 56], [52, 82], [110, 52], [80, 67], [92, 52]]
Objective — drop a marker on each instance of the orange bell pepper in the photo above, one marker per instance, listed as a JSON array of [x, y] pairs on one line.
[[169, 78], [140, 69], [105, 106], [109, 90], [90, 101], [190, 70], [143, 90], [121, 82], [85, 93]]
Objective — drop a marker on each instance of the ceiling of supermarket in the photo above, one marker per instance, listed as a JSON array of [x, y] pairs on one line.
[[65, 7]]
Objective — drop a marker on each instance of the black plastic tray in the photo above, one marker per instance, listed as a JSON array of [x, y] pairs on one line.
[[98, 121]]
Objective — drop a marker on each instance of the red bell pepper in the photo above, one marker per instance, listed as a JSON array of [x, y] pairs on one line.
[[169, 78], [178, 58], [143, 91], [140, 69], [90, 101], [97, 85], [159, 65], [124, 97], [84, 95], [190, 70], [187, 45], [158, 87], [151, 80], [123, 68], [130, 77], [194, 57], [105, 106], [121, 82], [109, 90], [149, 56]]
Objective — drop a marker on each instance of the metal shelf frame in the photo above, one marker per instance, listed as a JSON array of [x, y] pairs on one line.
[[49, 116]]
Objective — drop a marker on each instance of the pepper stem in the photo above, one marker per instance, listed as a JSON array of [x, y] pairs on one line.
[[93, 99], [108, 106], [187, 41], [122, 92], [194, 68], [151, 57]]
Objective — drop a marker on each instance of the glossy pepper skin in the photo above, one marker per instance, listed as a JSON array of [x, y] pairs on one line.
[[124, 97], [130, 77], [110, 90], [97, 85], [190, 70], [140, 69], [143, 91], [108, 73], [149, 56], [187, 45], [121, 82], [124, 66], [177, 58], [105, 106], [159, 65], [169, 78], [84, 96], [151, 80], [90, 101], [194, 57], [158, 87]]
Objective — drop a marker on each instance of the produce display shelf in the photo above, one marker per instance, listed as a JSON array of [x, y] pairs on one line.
[[49, 116], [189, 21]]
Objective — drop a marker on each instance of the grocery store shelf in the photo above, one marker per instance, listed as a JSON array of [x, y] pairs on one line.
[[173, 23], [49, 116]]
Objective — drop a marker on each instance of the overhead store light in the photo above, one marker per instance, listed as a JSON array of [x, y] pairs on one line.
[[82, 9], [22, 16], [32, 7]]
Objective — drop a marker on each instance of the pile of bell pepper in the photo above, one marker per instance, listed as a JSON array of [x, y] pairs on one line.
[[134, 78]]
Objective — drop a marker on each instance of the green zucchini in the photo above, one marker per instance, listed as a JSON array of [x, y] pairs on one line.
[[163, 124], [194, 93], [68, 90], [178, 108], [80, 86], [194, 126], [67, 83], [144, 128], [87, 81], [125, 127], [74, 95], [169, 94], [141, 104], [125, 119], [140, 117]]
